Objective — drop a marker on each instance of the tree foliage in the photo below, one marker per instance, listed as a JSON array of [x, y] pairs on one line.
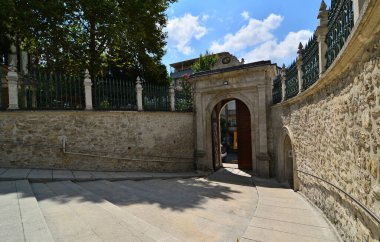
[[118, 37], [205, 62]]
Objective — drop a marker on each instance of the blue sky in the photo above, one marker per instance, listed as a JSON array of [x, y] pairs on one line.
[[250, 29]]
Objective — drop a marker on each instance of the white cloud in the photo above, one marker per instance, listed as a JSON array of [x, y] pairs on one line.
[[205, 17], [182, 30], [245, 15], [256, 41], [257, 31], [281, 51]]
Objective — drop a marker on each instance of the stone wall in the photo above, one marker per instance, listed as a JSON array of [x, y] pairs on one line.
[[124, 141], [335, 132]]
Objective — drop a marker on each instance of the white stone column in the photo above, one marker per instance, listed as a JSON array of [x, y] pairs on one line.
[[283, 84], [321, 33], [172, 97], [12, 78], [299, 68], [357, 6], [139, 90], [88, 90], [24, 62]]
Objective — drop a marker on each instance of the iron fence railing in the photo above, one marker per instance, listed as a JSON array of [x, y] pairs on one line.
[[155, 97], [41, 90], [310, 63], [113, 94], [277, 90], [291, 83], [183, 101], [340, 24]]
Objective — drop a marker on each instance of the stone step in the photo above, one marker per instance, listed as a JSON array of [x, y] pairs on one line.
[[10, 222], [24, 220], [34, 224], [107, 221], [177, 221], [64, 223], [143, 229]]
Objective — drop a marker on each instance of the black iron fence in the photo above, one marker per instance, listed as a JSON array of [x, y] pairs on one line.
[[156, 97], [291, 83], [340, 21], [113, 94], [41, 90], [277, 90]]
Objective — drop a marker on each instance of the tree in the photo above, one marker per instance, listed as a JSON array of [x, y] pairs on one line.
[[108, 37], [205, 62]]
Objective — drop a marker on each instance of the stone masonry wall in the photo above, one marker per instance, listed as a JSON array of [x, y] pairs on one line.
[[147, 141], [336, 136]]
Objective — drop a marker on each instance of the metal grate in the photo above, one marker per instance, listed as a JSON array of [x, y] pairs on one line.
[[277, 90], [113, 94], [310, 66], [291, 83], [155, 97], [43, 91], [341, 22]]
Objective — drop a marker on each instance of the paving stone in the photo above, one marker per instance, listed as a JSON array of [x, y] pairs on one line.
[[40, 175], [62, 175], [10, 222], [34, 225], [82, 175], [15, 174]]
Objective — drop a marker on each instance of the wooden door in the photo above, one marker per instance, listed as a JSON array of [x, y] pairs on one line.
[[243, 119]]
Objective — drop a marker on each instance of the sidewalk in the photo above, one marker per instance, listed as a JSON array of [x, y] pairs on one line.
[[47, 175]]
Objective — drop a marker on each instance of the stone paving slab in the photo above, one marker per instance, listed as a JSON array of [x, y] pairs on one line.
[[14, 174], [62, 175], [40, 175], [46, 175], [33, 222], [283, 215]]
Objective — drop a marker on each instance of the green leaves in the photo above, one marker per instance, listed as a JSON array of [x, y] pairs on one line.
[[205, 62], [105, 36]]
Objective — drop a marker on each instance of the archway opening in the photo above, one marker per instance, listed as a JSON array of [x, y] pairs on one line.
[[231, 135], [288, 159]]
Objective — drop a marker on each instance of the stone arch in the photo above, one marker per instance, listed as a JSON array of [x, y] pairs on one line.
[[208, 125], [282, 161]]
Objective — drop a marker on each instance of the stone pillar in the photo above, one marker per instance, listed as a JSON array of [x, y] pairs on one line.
[[321, 33], [299, 68], [283, 84], [263, 157], [88, 90], [357, 6], [12, 78], [24, 62], [172, 97], [139, 90]]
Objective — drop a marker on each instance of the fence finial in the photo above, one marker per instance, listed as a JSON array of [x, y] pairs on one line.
[[323, 6]]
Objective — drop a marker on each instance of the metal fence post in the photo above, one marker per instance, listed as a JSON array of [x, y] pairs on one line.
[[88, 90], [12, 78], [321, 33], [172, 97], [299, 68], [283, 84], [139, 90]]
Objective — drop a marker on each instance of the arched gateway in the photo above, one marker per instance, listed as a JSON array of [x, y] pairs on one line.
[[249, 84]]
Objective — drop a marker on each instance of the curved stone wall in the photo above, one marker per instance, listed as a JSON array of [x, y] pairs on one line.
[[335, 127]]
